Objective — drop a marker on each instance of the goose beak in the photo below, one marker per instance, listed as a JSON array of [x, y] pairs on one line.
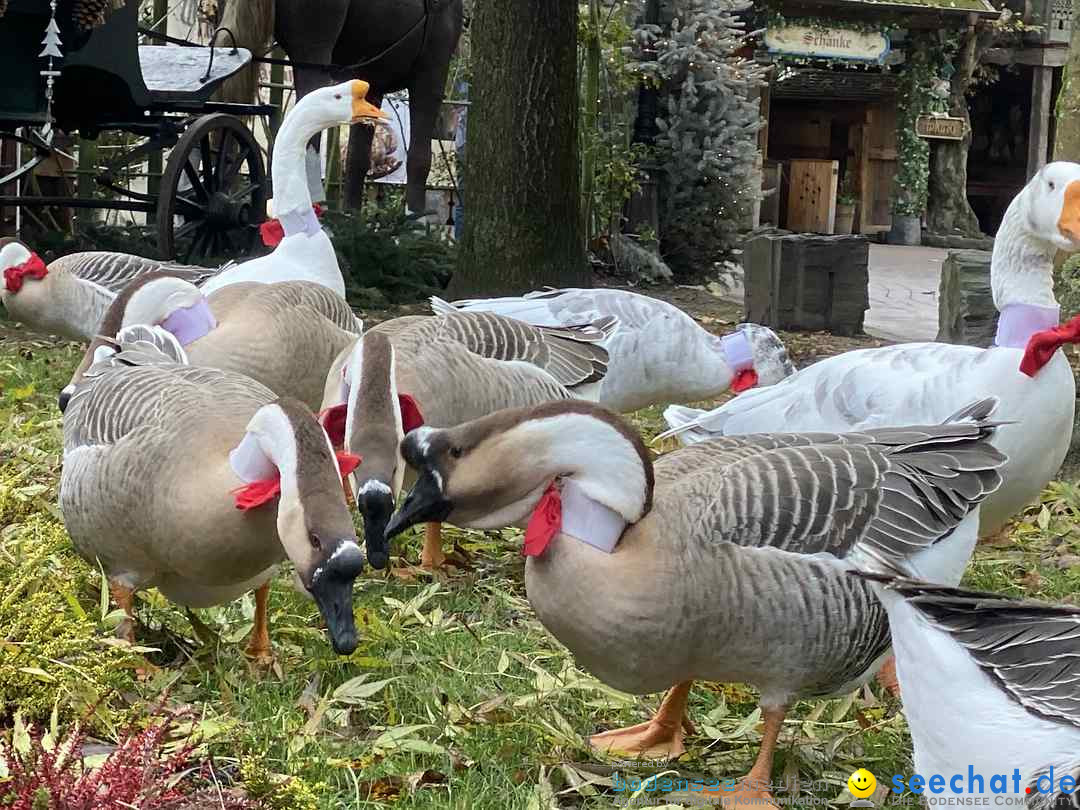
[[425, 503], [332, 588], [1069, 221], [362, 109]]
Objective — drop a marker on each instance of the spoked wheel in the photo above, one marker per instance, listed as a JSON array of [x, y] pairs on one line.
[[213, 193]]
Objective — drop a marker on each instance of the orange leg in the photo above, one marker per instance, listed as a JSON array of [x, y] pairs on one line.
[[752, 792], [659, 738], [887, 676], [349, 500], [124, 598], [258, 647], [432, 557]]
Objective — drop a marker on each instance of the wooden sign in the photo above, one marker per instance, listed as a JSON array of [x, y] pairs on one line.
[[827, 43], [940, 127]]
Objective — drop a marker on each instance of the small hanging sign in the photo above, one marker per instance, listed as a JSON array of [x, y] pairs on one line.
[[940, 127], [827, 43]]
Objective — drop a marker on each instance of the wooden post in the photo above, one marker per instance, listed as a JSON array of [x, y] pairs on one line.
[[154, 163], [863, 218], [1042, 88]]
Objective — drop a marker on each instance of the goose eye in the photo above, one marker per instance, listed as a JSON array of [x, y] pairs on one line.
[[313, 538], [455, 452], [1051, 184], [337, 95]]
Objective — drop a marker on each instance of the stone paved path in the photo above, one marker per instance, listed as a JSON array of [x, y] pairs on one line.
[[904, 292]]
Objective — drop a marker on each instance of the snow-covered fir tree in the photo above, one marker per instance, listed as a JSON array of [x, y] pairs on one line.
[[707, 145]]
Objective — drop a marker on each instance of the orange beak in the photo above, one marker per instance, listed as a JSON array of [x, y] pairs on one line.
[[362, 109], [1069, 221]]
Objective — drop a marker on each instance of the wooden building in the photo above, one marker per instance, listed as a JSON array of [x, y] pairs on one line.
[[831, 106]]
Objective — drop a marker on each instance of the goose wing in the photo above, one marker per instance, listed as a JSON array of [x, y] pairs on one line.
[[1031, 650], [874, 498], [572, 355], [114, 271], [851, 391], [123, 399]]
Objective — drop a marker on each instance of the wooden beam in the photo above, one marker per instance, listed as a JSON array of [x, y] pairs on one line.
[[1042, 87], [1054, 56]]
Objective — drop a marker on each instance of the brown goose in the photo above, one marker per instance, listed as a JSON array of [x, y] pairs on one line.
[[283, 335], [199, 481], [725, 561], [442, 370]]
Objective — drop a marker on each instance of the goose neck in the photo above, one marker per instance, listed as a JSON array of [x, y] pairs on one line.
[[1022, 264], [292, 196]]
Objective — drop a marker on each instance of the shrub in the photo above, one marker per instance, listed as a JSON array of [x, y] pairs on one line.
[[54, 652], [387, 259]]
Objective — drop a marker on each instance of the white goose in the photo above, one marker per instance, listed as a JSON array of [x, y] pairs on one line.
[[921, 383], [659, 354], [70, 295], [990, 684]]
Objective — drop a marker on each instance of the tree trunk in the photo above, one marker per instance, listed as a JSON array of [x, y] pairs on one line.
[[523, 224], [948, 211], [1067, 132]]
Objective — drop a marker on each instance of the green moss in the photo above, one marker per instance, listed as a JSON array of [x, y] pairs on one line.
[[54, 652]]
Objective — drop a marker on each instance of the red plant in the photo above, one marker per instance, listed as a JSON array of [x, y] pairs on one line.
[[139, 773]]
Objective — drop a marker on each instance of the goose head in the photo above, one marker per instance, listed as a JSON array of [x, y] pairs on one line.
[[326, 107], [492, 472], [24, 275], [339, 104], [313, 520], [153, 299], [1050, 203], [1041, 220]]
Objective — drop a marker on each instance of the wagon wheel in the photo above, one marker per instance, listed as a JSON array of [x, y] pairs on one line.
[[213, 192]]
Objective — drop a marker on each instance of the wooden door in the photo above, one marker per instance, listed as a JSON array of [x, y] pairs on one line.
[[812, 196], [877, 167]]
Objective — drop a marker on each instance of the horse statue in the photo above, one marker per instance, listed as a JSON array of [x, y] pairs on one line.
[[392, 44]]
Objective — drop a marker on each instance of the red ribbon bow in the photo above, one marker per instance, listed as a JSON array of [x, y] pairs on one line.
[[1042, 345], [747, 378], [272, 231], [333, 418], [544, 524], [33, 267], [257, 493]]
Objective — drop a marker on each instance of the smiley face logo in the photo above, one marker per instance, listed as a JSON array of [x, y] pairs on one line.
[[862, 784]]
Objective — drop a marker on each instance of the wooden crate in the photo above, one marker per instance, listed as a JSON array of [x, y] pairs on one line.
[[807, 282], [966, 311], [812, 196]]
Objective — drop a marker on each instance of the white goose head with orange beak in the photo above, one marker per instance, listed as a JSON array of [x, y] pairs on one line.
[[1053, 204], [1041, 220]]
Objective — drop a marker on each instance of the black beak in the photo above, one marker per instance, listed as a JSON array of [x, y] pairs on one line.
[[376, 505], [64, 398], [425, 503], [332, 585]]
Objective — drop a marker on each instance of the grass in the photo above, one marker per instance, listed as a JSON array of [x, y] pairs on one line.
[[456, 697]]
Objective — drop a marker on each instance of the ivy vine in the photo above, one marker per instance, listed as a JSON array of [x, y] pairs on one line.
[[914, 97]]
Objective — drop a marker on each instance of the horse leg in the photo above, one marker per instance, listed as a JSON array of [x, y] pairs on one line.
[[307, 31], [424, 104], [359, 159]]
